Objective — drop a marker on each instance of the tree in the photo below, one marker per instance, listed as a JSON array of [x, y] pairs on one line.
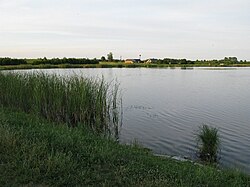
[[110, 57], [233, 59], [103, 59]]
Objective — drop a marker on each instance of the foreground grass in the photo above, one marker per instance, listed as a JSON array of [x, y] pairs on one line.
[[34, 151], [70, 100]]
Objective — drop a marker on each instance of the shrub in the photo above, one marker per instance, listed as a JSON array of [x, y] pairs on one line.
[[208, 143]]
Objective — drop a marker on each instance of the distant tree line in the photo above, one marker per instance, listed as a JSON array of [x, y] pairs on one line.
[[12, 61], [226, 60], [56, 61], [174, 61]]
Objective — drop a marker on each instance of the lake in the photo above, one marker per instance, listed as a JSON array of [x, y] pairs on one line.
[[163, 108]]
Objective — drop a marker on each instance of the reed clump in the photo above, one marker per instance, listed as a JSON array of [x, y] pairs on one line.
[[208, 143], [72, 100]]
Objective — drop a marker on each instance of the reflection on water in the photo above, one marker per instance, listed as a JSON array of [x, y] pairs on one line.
[[163, 108]]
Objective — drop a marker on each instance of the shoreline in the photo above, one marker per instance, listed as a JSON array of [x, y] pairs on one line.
[[116, 65], [35, 151]]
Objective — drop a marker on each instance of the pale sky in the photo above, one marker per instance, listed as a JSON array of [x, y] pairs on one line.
[[192, 29]]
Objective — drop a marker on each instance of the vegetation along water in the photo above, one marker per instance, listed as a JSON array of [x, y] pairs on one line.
[[73, 100], [36, 152]]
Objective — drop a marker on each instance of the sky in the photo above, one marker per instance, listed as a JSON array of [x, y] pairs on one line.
[[191, 29]]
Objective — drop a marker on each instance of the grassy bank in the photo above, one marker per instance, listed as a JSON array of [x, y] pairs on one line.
[[34, 151], [70, 100]]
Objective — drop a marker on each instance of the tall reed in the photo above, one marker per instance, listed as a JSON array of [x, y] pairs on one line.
[[74, 100], [208, 143]]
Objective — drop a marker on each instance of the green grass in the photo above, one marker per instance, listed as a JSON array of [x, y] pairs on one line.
[[208, 142], [71, 100], [36, 152]]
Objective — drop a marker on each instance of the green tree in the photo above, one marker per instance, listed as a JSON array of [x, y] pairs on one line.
[[103, 59], [110, 57]]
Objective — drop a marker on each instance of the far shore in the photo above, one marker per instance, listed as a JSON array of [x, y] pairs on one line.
[[116, 65], [7, 63]]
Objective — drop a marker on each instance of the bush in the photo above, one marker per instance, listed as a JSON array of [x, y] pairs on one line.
[[10, 61], [208, 143], [56, 61]]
